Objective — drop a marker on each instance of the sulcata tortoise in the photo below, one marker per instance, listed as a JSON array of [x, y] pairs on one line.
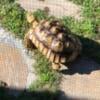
[[53, 40]]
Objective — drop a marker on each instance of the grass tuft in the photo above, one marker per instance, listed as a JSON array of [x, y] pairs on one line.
[[13, 18], [47, 78]]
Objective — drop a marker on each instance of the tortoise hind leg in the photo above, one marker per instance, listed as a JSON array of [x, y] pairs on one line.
[[28, 43], [56, 66]]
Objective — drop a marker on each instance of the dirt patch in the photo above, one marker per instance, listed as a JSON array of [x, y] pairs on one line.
[[58, 8]]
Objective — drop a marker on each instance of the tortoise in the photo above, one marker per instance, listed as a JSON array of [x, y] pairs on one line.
[[53, 40]]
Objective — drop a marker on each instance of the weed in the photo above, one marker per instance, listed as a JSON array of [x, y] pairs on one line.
[[47, 78], [91, 14], [13, 17]]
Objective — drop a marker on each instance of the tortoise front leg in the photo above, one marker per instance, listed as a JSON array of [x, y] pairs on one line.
[[28, 43], [56, 66]]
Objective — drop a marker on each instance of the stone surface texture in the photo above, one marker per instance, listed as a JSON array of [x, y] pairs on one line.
[[15, 63], [82, 80], [13, 69]]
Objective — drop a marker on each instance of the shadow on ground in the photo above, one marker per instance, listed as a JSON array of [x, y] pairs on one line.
[[89, 60], [85, 64], [22, 94]]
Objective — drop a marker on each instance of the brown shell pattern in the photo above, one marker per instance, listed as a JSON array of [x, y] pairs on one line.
[[54, 41], [52, 34]]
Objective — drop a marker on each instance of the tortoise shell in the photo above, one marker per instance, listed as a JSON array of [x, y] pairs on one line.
[[54, 41]]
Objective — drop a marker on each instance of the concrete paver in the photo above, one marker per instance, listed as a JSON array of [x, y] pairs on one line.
[[15, 62], [82, 80], [13, 69]]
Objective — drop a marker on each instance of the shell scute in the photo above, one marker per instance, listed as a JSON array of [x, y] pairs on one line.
[[55, 41]]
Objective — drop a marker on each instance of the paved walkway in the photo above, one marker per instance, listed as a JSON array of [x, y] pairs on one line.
[[13, 69], [15, 64], [82, 80]]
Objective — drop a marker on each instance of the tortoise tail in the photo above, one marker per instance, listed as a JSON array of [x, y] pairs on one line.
[[30, 17]]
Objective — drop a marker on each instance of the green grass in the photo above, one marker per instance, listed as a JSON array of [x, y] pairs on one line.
[[13, 18], [47, 78], [6, 1], [83, 27], [90, 25], [88, 28], [40, 14]]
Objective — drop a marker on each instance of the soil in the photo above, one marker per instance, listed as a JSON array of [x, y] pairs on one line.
[[58, 8]]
